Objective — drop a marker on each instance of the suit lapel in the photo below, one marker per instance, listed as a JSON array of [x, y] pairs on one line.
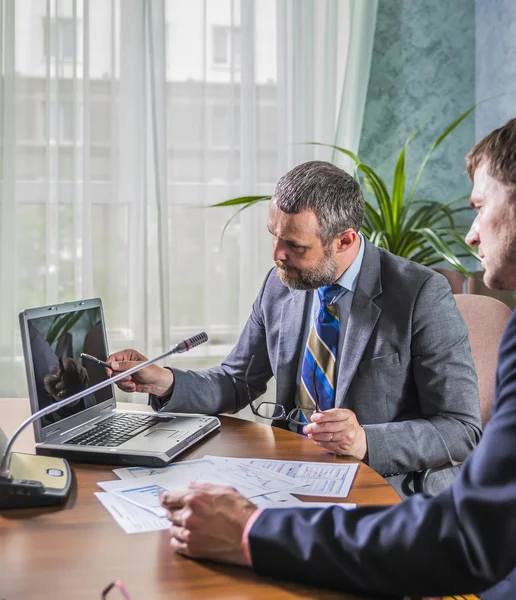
[[362, 320], [293, 314]]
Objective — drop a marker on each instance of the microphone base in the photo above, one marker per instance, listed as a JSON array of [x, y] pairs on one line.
[[35, 481]]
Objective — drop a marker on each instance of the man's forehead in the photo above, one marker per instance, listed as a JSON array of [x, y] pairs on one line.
[[489, 189], [481, 173], [298, 224], [482, 181]]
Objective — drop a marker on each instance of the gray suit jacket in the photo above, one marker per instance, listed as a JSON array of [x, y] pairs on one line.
[[406, 368]]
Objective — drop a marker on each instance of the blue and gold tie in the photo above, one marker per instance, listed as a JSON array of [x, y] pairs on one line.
[[321, 353]]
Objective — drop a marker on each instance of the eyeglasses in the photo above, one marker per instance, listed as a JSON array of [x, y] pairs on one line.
[[119, 586], [277, 412]]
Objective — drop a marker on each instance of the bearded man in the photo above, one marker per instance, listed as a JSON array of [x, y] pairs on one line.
[[370, 354]]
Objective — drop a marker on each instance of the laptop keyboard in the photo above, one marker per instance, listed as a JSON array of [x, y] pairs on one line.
[[116, 429]]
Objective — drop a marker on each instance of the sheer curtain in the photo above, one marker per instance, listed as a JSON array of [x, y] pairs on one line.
[[122, 120]]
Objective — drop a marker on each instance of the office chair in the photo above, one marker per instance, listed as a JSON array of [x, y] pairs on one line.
[[486, 319]]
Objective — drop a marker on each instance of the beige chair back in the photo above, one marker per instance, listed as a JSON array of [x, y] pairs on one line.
[[486, 319]]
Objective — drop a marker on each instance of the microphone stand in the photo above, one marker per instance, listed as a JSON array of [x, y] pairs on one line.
[[183, 346]]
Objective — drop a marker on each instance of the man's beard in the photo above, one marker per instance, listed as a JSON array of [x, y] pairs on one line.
[[322, 274]]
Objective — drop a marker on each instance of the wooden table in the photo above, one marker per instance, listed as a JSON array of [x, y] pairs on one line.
[[75, 551]]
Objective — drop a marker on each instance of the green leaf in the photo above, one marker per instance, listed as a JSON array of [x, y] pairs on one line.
[[422, 230], [459, 240], [430, 212], [377, 238], [62, 325], [382, 196], [443, 249], [398, 184], [436, 144], [427, 214], [408, 243], [426, 255], [245, 200], [351, 155], [247, 205], [370, 213], [374, 182], [398, 188]]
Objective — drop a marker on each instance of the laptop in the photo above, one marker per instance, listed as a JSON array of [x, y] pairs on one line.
[[93, 429]]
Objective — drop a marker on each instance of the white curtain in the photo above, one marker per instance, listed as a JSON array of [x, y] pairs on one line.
[[122, 120]]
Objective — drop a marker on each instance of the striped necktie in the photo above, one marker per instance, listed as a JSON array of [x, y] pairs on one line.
[[321, 352]]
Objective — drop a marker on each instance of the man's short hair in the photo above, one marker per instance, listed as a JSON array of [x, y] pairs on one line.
[[332, 194], [498, 151]]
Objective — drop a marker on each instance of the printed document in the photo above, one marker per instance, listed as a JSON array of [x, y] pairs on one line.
[[332, 480], [131, 518], [286, 500], [134, 499], [249, 480]]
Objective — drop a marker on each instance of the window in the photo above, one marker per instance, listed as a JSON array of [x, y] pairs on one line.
[[66, 128], [27, 120], [87, 163], [65, 116], [225, 46], [225, 126], [64, 37], [100, 124]]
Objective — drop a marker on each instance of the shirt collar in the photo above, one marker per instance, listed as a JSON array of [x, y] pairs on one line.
[[348, 279]]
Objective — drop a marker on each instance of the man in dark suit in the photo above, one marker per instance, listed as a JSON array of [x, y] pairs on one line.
[[399, 384], [459, 542]]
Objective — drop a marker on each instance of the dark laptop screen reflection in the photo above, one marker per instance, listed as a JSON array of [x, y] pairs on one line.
[[57, 342]]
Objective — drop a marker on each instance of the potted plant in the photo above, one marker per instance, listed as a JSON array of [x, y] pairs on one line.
[[424, 231]]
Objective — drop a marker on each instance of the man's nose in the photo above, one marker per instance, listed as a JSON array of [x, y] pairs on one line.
[[278, 251], [472, 238]]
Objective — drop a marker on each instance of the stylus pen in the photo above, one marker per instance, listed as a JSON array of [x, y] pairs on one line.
[[93, 359]]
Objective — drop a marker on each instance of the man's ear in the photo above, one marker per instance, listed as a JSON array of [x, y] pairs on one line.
[[346, 240]]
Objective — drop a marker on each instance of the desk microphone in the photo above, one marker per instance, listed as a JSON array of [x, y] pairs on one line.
[[34, 480]]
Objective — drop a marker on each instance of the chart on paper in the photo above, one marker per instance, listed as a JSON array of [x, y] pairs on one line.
[[333, 480]]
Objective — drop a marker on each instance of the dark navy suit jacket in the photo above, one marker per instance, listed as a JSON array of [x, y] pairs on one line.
[[462, 541]]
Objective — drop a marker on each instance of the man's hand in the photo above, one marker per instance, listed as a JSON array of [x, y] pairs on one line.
[[67, 378], [339, 432], [208, 522], [151, 380]]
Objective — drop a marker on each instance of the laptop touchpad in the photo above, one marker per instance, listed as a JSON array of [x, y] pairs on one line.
[[158, 439], [164, 433], [167, 426]]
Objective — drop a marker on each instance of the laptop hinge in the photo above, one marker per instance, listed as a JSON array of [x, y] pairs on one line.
[[78, 429], [53, 433]]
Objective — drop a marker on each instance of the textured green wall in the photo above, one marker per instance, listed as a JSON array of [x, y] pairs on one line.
[[495, 38], [423, 71]]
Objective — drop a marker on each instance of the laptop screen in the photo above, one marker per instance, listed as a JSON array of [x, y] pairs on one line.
[[56, 343]]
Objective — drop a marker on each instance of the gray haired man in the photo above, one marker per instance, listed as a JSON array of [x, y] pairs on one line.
[[371, 340]]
